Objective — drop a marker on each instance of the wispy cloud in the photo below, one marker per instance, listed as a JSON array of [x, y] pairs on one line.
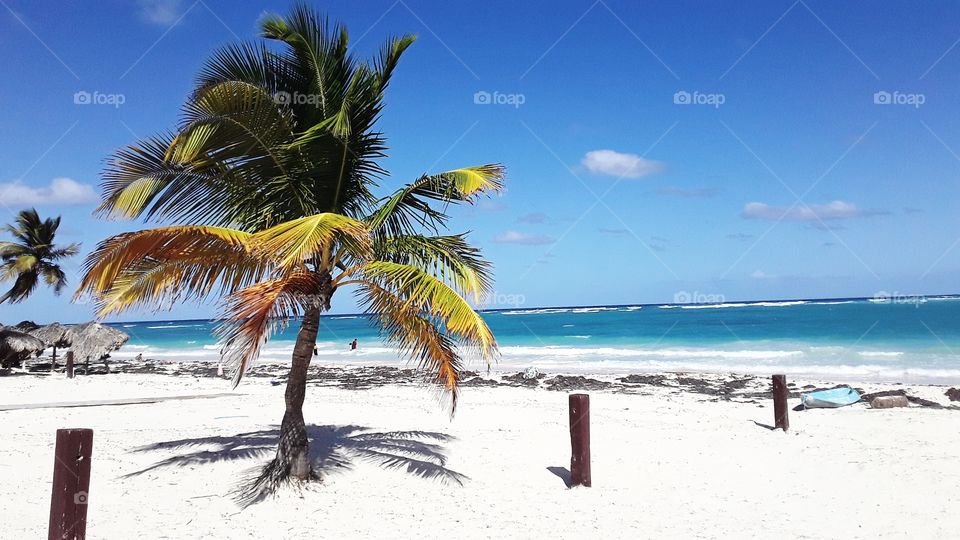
[[514, 237], [62, 191], [742, 237], [812, 212], [618, 164], [535, 218], [491, 206], [696, 193], [614, 232], [658, 243], [160, 12], [760, 274]]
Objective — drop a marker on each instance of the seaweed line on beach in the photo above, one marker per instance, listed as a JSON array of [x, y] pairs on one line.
[[711, 386]]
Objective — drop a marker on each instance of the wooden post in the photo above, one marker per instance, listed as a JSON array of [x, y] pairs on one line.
[[580, 440], [53, 363], [69, 364], [781, 420], [71, 480]]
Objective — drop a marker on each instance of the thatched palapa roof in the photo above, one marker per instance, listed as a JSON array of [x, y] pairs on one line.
[[94, 340], [25, 326], [15, 346], [12, 340], [52, 335]]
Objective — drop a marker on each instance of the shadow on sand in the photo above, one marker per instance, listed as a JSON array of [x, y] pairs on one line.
[[563, 473], [332, 449]]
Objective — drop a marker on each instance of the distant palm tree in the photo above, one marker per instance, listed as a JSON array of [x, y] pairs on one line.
[[273, 165], [33, 256]]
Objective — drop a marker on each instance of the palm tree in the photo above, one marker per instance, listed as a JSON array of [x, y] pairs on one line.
[[33, 256], [269, 181]]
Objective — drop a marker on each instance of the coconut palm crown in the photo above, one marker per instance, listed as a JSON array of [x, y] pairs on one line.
[[33, 256], [267, 186]]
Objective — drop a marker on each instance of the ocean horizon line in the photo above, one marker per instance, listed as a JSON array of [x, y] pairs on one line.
[[942, 296]]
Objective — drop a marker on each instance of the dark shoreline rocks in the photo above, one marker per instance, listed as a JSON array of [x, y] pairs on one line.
[[712, 386]]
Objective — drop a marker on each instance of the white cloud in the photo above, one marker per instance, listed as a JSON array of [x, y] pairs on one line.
[[760, 274], [614, 163], [698, 193], [514, 237], [61, 191], [805, 212], [535, 218], [162, 12]]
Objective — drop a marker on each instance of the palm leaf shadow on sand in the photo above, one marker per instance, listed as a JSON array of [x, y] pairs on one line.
[[332, 449]]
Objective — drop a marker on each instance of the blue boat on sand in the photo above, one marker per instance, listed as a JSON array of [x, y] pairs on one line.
[[832, 398]]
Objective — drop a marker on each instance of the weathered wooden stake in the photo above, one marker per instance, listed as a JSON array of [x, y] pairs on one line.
[[69, 364], [782, 421], [580, 440], [71, 480]]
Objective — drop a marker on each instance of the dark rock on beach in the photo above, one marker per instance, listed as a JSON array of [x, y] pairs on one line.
[[518, 379], [953, 394], [578, 382], [655, 380]]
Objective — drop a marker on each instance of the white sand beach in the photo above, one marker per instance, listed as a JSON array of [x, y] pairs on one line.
[[666, 464]]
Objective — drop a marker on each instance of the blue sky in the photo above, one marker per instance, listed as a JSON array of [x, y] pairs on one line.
[[745, 150]]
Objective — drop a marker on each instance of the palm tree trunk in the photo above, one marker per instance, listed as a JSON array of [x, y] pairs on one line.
[[293, 451]]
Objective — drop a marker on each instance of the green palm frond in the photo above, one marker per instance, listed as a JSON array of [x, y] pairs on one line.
[[299, 240], [434, 298], [408, 210], [449, 258], [32, 256]]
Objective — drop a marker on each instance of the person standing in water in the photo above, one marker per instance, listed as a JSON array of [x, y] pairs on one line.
[[353, 345]]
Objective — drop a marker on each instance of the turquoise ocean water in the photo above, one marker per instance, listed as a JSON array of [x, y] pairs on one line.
[[914, 339]]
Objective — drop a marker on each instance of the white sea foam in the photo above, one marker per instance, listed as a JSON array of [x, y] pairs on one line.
[[536, 311], [593, 309], [591, 353], [162, 327], [745, 304]]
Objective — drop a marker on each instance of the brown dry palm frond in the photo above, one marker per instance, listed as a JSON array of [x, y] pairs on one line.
[[256, 312]]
